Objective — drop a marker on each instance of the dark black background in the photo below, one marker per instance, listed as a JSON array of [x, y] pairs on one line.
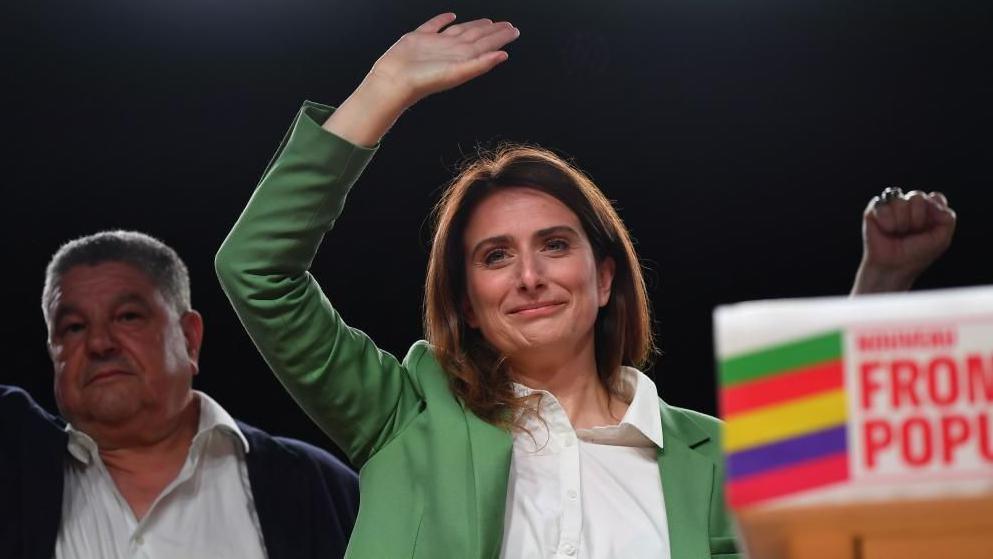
[[740, 139]]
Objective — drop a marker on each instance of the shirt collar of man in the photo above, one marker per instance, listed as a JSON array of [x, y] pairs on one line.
[[641, 425], [213, 417]]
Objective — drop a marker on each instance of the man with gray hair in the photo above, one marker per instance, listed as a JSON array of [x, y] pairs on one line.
[[146, 465]]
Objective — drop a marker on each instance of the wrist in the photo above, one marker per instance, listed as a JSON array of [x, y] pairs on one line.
[[872, 278], [385, 93], [367, 114]]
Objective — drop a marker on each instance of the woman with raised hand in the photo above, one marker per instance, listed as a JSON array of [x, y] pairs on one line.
[[521, 427]]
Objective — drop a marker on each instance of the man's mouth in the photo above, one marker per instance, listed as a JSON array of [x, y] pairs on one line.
[[108, 374]]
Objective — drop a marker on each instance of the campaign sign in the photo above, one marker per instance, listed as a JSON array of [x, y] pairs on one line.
[[851, 399]]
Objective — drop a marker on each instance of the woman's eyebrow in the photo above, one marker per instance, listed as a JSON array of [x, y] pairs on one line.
[[556, 230], [499, 239]]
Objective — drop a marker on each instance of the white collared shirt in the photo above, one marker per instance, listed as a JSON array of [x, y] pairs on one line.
[[206, 512], [592, 493]]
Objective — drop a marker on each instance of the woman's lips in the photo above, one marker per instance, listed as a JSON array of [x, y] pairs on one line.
[[537, 309]]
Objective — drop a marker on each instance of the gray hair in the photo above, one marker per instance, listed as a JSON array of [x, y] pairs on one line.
[[144, 252]]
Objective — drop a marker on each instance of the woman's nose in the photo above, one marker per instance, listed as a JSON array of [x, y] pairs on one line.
[[532, 273]]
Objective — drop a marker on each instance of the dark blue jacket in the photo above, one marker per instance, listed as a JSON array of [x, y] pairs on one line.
[[306, 498]]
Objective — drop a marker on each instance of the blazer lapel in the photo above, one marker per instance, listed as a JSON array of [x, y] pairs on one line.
[[491, 449], [687, 480]]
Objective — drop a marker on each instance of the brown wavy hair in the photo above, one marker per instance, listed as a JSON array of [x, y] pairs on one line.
[[478, 374]]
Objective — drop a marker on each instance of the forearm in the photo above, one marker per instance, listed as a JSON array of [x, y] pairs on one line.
[[369, 112], [874, 279], [355, 392], [301, 194]]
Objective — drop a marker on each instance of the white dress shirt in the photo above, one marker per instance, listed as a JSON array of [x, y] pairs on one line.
[[592, 493], [206, 512]]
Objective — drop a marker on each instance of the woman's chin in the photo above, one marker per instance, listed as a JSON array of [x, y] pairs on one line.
[[538, 342]]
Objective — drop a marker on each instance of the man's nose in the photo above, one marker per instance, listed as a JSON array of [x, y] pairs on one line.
[[100, 340]]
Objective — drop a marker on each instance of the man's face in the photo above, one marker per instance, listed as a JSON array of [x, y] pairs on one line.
[[124, 359]]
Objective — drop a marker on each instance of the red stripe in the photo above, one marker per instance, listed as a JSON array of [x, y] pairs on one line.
[[786, 386], [783, 481]]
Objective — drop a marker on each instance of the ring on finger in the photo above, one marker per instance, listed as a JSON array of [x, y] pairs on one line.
[[890, 193]]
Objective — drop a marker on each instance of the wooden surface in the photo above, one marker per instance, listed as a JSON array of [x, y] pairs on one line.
[[944, 529]]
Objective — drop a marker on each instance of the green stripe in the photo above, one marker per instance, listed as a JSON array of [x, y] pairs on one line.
[[780, 358]]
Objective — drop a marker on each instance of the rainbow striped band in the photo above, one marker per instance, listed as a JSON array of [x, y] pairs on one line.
[[785, 413]]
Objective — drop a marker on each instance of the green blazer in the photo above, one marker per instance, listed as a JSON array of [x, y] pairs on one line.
[[433, 478]]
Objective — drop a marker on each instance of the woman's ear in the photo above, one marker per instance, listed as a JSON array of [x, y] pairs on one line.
[[605, 279], [469, 313]]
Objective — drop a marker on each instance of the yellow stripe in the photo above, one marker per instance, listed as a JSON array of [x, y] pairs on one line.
[[774, 423]]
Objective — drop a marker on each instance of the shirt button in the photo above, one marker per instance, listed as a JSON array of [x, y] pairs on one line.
[[569, 549], [139, 541], [572, 494]]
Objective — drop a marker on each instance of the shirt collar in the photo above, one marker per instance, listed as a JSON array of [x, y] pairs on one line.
[[212, 417], [642, 422], [643, 412]]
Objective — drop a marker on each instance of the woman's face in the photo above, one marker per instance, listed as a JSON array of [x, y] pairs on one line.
[[533, 285]]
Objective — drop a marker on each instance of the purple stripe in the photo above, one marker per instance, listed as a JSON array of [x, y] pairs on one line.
[[782, 453]]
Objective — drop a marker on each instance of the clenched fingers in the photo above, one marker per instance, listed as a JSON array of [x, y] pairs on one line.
[[910, 213]]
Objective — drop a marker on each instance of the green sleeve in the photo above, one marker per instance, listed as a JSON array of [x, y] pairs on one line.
[[359, 395]]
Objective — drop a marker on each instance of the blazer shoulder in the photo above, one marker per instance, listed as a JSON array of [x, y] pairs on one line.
[[16, 401], [707, 422], [420, 355], [696, 428], [20, 413], [426, 371]]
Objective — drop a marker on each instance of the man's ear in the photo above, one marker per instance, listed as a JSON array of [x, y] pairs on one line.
[[192, 324], [605, 279]]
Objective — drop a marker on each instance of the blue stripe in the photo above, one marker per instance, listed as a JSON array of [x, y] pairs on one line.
[[783, 453]]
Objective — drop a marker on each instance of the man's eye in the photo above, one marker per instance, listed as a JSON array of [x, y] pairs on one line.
[[72, 328], [494, 256], [129, 316]]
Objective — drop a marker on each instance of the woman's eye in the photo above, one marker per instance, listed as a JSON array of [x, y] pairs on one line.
[[557, 244], [494, 256]]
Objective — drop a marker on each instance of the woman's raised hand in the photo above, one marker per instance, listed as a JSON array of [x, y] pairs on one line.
[[429, 59]]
